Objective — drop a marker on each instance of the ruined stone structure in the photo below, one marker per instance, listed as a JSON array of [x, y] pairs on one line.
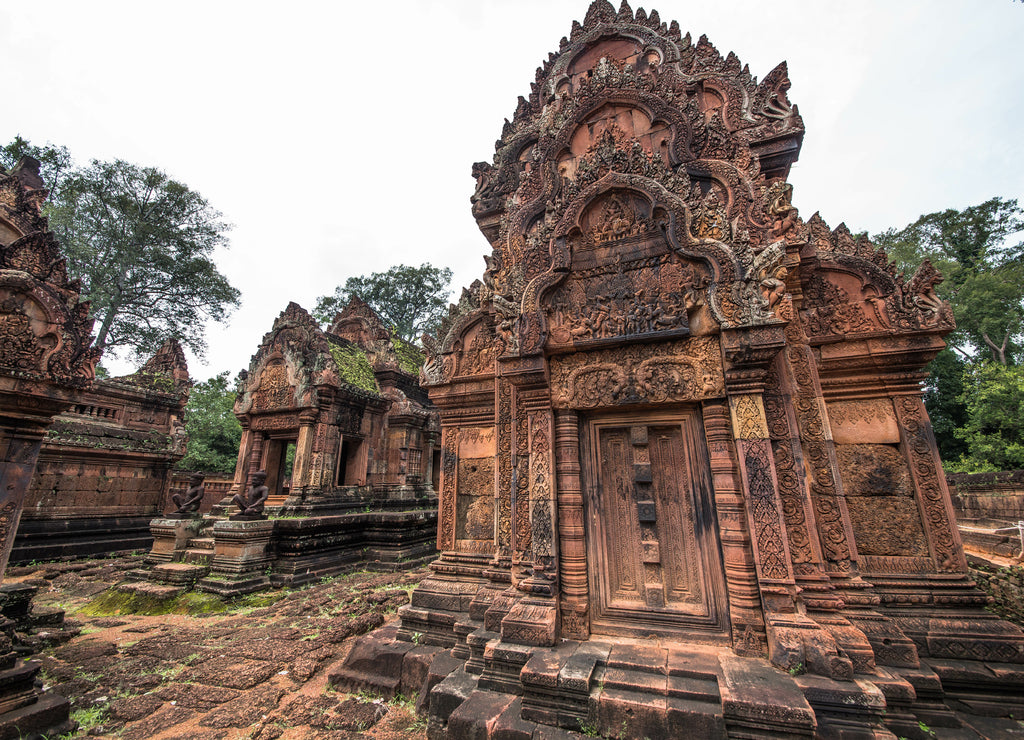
[[46, 360], [105, 465], [683, 433], [348, 441]]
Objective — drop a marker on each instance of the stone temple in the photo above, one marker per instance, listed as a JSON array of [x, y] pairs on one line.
[[688, 484]]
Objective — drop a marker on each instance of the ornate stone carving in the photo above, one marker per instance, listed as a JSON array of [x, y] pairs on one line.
[[924, 464], [688, 370]]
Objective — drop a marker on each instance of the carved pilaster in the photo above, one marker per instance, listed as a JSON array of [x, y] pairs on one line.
[[930, 486], [446, 496], [764, 510], [745, 611], [571, 538], [302, 474]]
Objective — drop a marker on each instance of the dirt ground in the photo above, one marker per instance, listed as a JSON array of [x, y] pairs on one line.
[[255, 670]]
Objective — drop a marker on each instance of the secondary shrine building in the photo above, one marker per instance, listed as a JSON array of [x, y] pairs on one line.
[[675, 410]]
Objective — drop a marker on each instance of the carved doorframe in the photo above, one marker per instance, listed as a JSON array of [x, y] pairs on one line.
[[695, 512], [745, 612]]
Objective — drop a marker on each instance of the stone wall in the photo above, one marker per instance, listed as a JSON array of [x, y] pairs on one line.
[[1005, 585], [104, 469], [988, 495]]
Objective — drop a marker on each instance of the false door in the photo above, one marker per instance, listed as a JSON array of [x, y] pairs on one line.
[[653, 556]]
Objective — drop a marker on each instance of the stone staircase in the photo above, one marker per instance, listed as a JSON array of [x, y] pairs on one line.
[[623, 688], [194, 563]]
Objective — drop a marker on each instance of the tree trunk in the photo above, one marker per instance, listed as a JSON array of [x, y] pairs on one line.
[[998, 353]]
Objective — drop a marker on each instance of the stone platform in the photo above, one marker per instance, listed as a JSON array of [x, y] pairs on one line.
[[615, 687], [232, 557]]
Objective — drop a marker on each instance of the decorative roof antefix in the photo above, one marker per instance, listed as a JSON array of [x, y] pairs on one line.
[[358, 323], [45, 329], [632, 116], [297, 342], [166, 371]]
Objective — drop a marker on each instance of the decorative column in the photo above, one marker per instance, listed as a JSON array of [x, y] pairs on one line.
[[301, 469], [571, 535], [745, 612], [255, 456]]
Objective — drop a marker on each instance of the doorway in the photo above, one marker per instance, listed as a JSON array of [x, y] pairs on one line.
[[278, 461], [654, 561]]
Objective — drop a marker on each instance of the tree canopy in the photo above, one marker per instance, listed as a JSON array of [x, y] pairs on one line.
[[974, 390], [977, 252], [142, 244], [214, 433], [412, 300]]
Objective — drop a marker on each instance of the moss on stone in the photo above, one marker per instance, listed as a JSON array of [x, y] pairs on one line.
[[114, 602], [410, 359], [354, 366]]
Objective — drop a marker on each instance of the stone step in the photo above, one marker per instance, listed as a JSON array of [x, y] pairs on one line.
[[622, 713], [762, 701], [46, 616], [184, 574], [679, 687], [201, 543], [201, 558], [147, 590]]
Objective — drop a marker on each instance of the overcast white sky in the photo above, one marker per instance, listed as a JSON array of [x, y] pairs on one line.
[[338, 137]]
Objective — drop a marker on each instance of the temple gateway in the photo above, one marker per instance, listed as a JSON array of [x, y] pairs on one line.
[[688, 484]]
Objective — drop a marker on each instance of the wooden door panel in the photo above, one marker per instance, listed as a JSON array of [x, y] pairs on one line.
[[624, 577], [654, 562]]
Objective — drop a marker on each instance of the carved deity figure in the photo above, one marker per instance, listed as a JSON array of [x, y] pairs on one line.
[[773, 287], [711, 220], [190, 501], [252, 504], [780, 207]]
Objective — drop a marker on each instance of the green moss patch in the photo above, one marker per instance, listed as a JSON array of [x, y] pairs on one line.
[[354, 366], [116, 602], [410, 358]]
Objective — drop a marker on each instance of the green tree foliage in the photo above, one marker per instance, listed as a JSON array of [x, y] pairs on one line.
[[994, 430], [142, 244], [213, 430], [979, 253], [412, 300], [983, 265]]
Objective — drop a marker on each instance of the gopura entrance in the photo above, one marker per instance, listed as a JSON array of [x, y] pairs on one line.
[[654, 564], [671, 407]]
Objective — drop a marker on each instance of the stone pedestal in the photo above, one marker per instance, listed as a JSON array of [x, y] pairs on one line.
[[243, 554], [171, 534]]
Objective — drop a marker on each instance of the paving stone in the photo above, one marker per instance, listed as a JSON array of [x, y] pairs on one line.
[[305, 667], [231, 672], [167, 647], [273, 650], [163, 720], [194, 696], [85, 650], [134, 708], [246, 710]]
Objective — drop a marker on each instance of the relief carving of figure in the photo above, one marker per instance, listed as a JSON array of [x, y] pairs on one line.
[[783, 215], [711, 221], [506, 310]]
